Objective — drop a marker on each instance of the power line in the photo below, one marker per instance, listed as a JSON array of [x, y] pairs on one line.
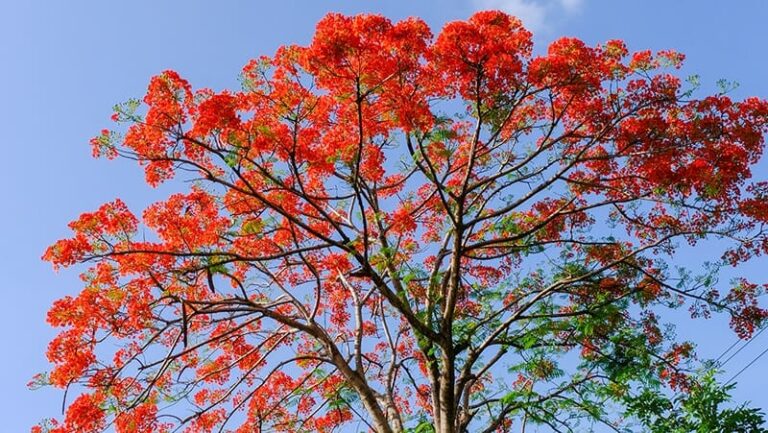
[[740, 348], [747, 366], [738, 340]]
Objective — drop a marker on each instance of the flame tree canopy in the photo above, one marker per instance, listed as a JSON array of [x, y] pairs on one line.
[[389, 231]]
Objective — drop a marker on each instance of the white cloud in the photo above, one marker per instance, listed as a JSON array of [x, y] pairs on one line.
[[537, 15], [571, 5], [530, 12]]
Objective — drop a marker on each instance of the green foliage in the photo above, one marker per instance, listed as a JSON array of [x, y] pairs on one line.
[[702, 410], [424, 426]]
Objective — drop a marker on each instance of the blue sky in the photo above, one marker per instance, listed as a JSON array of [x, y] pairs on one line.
[[66, 63]]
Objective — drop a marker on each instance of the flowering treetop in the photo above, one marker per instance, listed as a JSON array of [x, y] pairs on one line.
[[396, 231]]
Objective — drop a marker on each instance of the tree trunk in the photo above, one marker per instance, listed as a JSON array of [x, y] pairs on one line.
[[447, 400]]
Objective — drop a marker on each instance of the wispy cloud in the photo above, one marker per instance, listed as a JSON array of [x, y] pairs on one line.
[[537, 15], [570, 5]]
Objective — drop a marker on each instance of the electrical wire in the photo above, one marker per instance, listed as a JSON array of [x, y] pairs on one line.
[[747, 366], [735, 343], [740, 348]]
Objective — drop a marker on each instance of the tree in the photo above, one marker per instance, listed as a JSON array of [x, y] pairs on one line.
[[695, 411], [390, 231]]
